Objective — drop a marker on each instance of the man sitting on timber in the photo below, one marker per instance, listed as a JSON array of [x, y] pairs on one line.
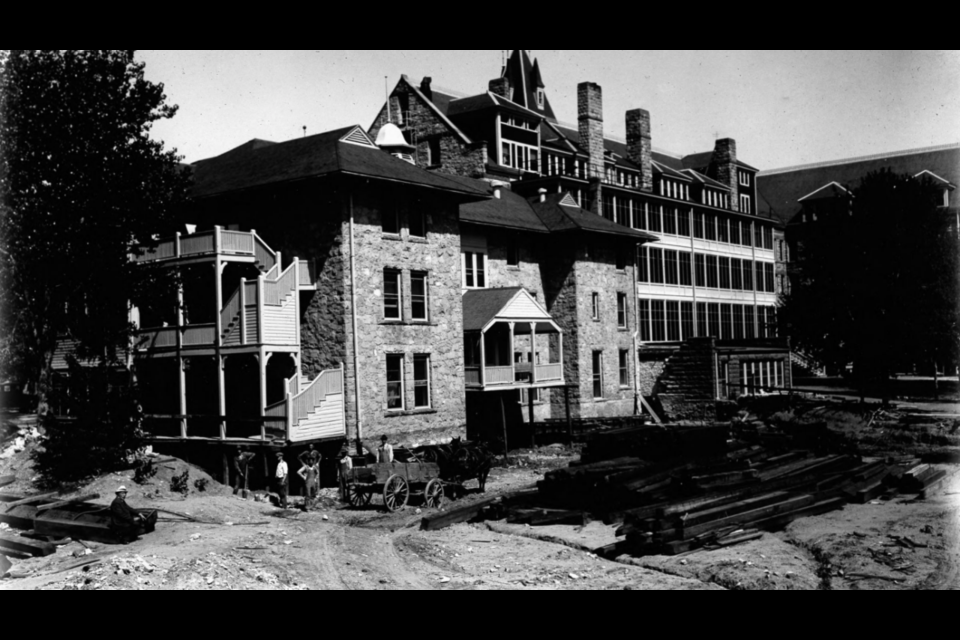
[[385, 452], [126, 520]]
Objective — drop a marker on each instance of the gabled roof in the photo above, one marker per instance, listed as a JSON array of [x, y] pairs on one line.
[[705, 159], [936, 178], [488, 100], [670, 173], [525, 79], [347, 151], [570, 135], [558, 215], [483, 307], [509, 211], [433, 107], [705, 180], [831, 190]]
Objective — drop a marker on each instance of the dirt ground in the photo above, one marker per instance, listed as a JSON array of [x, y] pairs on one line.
[[255, 546]]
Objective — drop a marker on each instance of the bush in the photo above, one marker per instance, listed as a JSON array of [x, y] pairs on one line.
[[181, 483], [201, 484], [144, 472]]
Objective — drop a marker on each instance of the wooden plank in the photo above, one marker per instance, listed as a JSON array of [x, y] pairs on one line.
[[734, 508], [456, 516], [748, 517], [4, 565], [781, 520], [31, 500], [7, 480], [32, 547], [64, 503], [568, 517], [935, 484]]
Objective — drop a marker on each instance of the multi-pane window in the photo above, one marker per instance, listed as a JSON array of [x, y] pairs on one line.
[[686, 319], [394, 382], [713, 314], [624, 368], [703, 329], [745, 204], [683, 224], [758, 236], [723, 229], [712, 281], [418, 223], [474, 270], [726, 322], [392, 309], [421, 381], [621, 259], [419, 296], [768, 238], [595, 306], [518, 156], [738, 322], [734, 232], [744, 178], [700, 264], [670, 262], [750, 324], [390, 220], [598, 374], [670, 220], [673, 321], [643, 308], [724, 272], [607, 207], [643, 271], [770, 281], [656, 265], [711, 226], [622, 310], [658, 319], [640, 215], [655, 218], [698, 225], [623, 211], [748, 275], [736, 272], [686, 272], [745, 236]]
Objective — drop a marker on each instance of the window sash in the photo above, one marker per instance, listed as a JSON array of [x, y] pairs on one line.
[[390, 220], [659, 318], [622, 310], [418, 224], [673, 321], [421, 381], [624, 368], [643, 308], [671, 268], [712, 271], [419, 296], [597, 374], [686, 274], [656, 266], [395, 401], [392, 294]]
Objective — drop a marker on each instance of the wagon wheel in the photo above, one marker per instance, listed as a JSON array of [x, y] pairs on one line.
[[357, 497], [396, 493], [433, 494]]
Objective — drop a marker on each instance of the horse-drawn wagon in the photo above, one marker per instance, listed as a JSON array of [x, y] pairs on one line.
[[397, 482]]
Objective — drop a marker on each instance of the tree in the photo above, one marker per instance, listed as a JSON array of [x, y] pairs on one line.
[[84, 188], [876, 280]]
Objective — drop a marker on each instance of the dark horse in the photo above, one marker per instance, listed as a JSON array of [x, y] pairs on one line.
[[460, 462]]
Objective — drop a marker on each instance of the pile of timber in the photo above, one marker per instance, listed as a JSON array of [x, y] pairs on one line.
[[49, 516]]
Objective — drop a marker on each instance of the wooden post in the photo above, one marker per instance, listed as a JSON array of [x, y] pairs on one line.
[[182, 388], [222, 393], [483, 359], [533, 433], [503, 416], [513, 365], [566, 399], [243, 311], [533, 352]]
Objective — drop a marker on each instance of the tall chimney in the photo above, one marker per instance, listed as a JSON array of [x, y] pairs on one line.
[[590, 118], [640, 145], [425, 88], [501, 87], [725, 165]]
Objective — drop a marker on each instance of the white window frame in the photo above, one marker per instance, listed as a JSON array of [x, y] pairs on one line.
[[399, 275], [597, 364], [520, 155], [624, 311], [403, 390], [541, 98], [745, 203], [744, 178], [595, 306], [429, 385], [426, 296], [474, 253], [624, 367]]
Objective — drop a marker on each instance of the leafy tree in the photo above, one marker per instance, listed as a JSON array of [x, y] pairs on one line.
[[876, 280], [84, 188]]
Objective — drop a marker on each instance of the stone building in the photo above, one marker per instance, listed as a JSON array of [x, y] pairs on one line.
[[700, 297]]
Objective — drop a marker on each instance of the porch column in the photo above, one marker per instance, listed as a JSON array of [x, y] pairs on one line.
[[182, 388], [533, 352], [222, 394], [483, 359], [563, 375], [513, 364]]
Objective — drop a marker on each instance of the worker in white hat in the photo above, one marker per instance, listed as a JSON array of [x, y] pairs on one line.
[[126, 520]]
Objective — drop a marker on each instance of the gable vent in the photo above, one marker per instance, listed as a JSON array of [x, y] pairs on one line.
[[568, 201], [357, 136]]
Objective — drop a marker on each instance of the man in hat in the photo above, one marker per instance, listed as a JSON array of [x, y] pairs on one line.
[[311, 479], [126, 520], [385, 452], [241, 468], [283, 480]]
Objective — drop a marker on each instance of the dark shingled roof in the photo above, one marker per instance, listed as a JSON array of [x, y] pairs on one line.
[[525, 78], [705, 159], [781, 189], [256, 164], [560, 218], [510, 211], [481, 306], [616, 146]]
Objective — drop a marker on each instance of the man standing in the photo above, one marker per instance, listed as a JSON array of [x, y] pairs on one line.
[[283, 480], [385, 452], [311, 457], [126, 520], [241, 468], [346, 466], [311, 478]]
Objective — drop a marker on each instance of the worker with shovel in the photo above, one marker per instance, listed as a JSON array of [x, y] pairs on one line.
[[241, 468]]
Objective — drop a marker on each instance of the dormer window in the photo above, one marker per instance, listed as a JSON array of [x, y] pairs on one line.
[[541, 98]]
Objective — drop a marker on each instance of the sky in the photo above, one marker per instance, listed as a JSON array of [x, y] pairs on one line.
[[784, 108]]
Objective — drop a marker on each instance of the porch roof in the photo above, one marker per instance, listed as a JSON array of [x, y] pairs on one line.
[[484, 307]]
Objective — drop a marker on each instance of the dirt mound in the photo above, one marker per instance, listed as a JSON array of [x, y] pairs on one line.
[[161, 486]]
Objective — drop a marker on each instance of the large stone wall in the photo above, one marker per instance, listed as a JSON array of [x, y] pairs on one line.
[[441, 337]]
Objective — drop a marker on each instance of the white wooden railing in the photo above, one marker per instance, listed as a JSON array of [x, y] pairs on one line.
[[212, 242], [276, 291], [199, 334], [298, 406], [266, 256], [499, 375], [236, 242], [230, 312], [306, 278], [197, 244], [549, 372], [471, 375]]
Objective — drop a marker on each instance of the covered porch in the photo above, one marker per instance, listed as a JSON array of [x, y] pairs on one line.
[[510, 342]]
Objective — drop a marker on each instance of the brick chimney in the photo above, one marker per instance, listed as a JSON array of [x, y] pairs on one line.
[[725, 166], [501, 87], [425, 88], [640, 145], [590, 118]]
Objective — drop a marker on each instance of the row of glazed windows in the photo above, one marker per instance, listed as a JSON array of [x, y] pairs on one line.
[[396, 391], [393, 294], [675, 321], [682, 268], [623, 370]]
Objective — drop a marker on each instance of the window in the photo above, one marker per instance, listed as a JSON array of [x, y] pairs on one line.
[[394, 382], [598, 374], [513, 254], [700, 262], [643, 272], [726, 322], [419, 297], [736, 271], [623, 211], [621, 259], [639, 215], [392, 309], [670, 220], [686, 273], [768, 238], [723, 229], [670, 259], [698, 225], [770, 281], [541, 98], [421, 381], [724, 272], [673, 321], [711, 222], [607, 207], [622, 310], [712, 281], [683, 224], [655, 218], [595, 307], [703, 329], [713, 314], [474, 270], [738, 322], [758, 236], [624, 368], [745, 237], [735, 232], [519, 156], [744, 178], [418, 224], [659, 318], [656, 265], [390, 220], [686, 320], [434, 153], [745, 205], [643, 308], [750, 322], [748, 275]]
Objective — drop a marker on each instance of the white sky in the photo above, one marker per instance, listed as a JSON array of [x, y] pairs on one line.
[[783, 107]]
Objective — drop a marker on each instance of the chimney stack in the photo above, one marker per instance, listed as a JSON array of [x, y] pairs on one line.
[[501, 87], [543, 195], [725, 165], [640, 145], [590, 119], [425, 88]]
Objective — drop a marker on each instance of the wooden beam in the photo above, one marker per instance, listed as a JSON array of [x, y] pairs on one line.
[[456, 516], [34, 548], [31, 500], [7, 480], [63, 503], [4, 565]]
